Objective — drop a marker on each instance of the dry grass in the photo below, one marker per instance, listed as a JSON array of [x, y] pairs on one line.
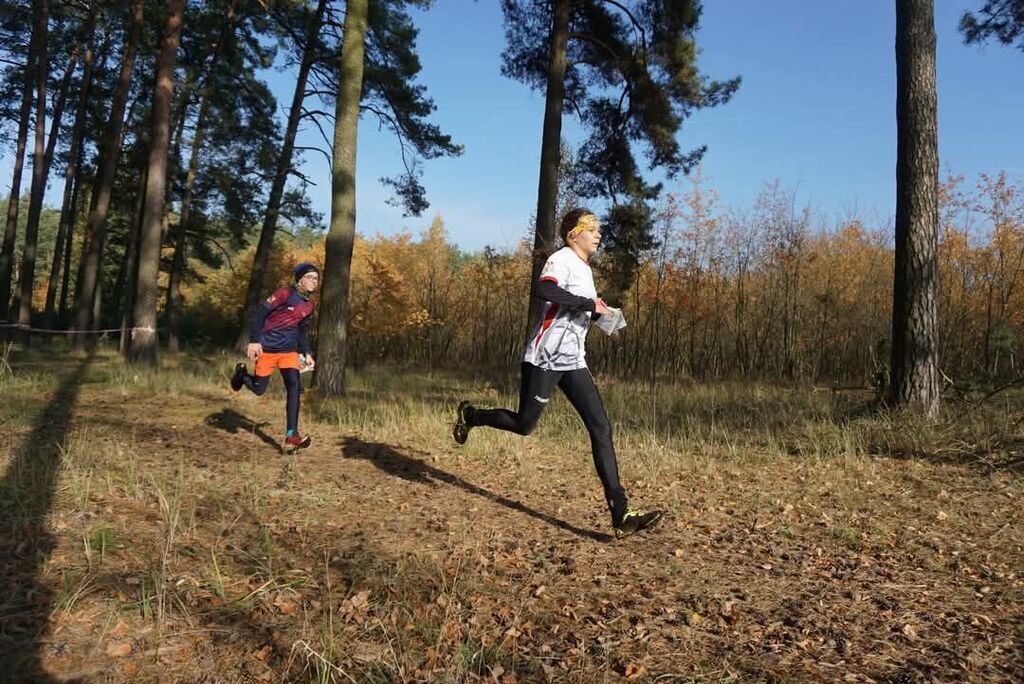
[[149, 531]]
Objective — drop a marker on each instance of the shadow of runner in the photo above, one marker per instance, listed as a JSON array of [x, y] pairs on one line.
[[26, 496], [394, 462], [234, 422]]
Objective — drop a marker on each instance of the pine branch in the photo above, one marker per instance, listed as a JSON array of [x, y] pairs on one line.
[[637, 26], [317, 149]]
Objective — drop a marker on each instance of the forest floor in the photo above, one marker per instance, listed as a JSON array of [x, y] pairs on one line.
[[150, 531]]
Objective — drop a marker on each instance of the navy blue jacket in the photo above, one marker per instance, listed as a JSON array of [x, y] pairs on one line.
[[281, 323]]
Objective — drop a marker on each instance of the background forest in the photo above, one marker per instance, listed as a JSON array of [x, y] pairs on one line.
[[829, 410], [712, 289]]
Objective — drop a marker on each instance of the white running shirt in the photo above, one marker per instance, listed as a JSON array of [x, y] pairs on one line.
[[557, 343]]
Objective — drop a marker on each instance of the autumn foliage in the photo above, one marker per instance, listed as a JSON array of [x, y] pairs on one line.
[[771, 292]]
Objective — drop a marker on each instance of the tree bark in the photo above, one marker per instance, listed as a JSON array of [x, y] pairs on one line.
[[67, 215], [180, 258], [284, 165], [58, 107], [144, 338], [110, 152], [333, 327], [914, 376], [180, 235], [11, 228], [65, 290], [27, 272], [132, 284], [550, 150]]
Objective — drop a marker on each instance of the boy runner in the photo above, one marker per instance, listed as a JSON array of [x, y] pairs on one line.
[[279, 338]]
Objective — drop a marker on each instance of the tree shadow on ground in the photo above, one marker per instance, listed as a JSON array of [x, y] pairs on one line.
[[26, 498], [394, 462], [233, 422]]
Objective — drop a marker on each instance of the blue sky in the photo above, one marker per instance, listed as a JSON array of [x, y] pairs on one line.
[[816, 111]]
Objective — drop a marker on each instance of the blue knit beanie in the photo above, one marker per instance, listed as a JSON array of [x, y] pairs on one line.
[[303, 268]]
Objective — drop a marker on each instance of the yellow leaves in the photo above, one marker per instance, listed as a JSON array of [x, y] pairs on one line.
[[387, 288], [219, 294], [417, 319]]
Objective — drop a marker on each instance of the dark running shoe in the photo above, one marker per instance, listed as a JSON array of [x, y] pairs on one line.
[[461, 430], [236, 379], [295, 442], [633, 521]]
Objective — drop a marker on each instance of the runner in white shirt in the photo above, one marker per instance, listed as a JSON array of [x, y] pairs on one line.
[[557, 342], [556, 355]]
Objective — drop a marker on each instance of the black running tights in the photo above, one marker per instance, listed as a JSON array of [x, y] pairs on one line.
[[536, 388]]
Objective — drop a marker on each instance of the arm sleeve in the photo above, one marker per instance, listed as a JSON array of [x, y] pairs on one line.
[[549, 286], [263, 310], [303, 341], [549, 291]]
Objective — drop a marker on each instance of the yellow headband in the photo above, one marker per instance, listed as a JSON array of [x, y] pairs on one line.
[[586, 222]]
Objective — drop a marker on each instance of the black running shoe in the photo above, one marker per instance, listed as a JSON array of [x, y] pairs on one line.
[[461, 429], [236, 379], [633, 521]]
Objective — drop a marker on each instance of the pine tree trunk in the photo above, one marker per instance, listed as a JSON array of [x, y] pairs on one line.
[[281, 173], [914, 377], [110, 152], [144, 338], [180, 258], [97, 304], [181, 232], [67, 216], [56, 118], [62, 95], [132, 284], [11, 229], [333, 333], [550, 150], [27, 272], [80, 180]]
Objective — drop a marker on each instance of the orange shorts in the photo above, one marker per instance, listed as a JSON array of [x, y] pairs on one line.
[[268, 361]]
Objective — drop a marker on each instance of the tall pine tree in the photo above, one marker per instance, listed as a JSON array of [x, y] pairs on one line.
[[376, 73], [628, 71], [914, 379]]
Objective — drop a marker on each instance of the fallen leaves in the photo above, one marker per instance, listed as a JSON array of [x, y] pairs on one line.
[[771, 583], [120, 630], [356, 606], [285, 607], [635, 671]]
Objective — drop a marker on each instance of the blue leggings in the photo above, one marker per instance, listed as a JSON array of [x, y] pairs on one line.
[[292, 386]]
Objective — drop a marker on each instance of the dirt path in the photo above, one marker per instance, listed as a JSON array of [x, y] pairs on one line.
[[180, 546]]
